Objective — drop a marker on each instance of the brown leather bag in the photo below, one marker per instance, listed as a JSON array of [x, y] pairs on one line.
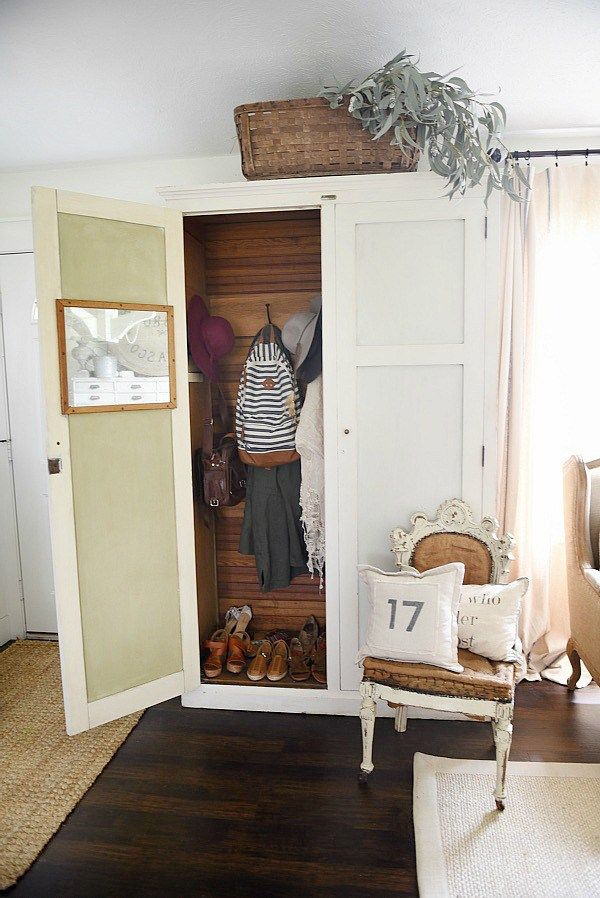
[[220, 469]]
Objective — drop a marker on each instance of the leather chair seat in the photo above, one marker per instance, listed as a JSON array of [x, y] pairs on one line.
[[481, 678]]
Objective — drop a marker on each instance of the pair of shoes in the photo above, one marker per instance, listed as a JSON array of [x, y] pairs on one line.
[[271, 661], [308, 654], [319, 667], [231, 641]]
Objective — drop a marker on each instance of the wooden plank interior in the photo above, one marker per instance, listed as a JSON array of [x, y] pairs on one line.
[[250, 260]]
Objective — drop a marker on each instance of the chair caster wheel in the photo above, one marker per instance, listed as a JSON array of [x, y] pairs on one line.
[[500, 804], [363, 776]]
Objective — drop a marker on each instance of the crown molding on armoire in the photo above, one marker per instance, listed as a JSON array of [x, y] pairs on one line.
[[297, 192]]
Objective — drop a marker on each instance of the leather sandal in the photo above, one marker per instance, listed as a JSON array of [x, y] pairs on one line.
[[237, 652], [257, 669], [239, 641], [319, 668], [278, 665], [309, 634], [217, 647], [237, 619], [252, 647], [299, 669]]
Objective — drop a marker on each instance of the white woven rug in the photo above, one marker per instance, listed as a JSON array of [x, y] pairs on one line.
[[546, 844]]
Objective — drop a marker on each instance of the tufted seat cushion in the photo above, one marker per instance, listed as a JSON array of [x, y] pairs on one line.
[[481, 678]]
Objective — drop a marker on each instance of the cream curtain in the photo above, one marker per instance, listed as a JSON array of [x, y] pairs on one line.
[[550, 343]]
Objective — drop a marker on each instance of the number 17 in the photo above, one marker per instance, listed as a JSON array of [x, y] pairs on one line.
[[418, 606]]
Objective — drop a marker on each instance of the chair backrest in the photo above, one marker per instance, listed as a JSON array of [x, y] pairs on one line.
[[582, 511], [455, 536]]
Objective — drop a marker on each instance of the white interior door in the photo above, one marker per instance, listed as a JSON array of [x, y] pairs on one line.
[[121, 516], [27, 442], [12, 623], [411, 286]]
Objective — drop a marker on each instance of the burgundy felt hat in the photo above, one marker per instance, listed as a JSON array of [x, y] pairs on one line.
[[209, 337]]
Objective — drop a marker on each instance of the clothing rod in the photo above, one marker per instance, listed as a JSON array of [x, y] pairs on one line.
[[556, 154]]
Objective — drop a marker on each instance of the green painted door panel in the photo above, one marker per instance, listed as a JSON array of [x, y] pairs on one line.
[[114, 260], [126, 548], [122, 470]]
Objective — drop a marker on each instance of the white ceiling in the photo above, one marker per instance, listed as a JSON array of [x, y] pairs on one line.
[[84, 80]]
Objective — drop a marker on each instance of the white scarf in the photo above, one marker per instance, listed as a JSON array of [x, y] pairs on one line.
[[309, 445]]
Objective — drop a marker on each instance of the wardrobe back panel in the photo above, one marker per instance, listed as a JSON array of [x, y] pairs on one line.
[[251, 260]]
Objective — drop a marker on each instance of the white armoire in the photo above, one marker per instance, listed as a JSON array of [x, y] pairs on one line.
[[409, 287]]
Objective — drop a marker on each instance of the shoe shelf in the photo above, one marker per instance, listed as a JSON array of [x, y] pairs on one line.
[[230, 679]]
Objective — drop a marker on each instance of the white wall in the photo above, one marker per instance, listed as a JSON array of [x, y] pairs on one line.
[[128, 180], [138, 180]]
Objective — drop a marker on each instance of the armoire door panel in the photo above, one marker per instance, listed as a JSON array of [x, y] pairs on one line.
[[121, 506], [124, 506], [410, 282], [426, 402], [410, 278], [120, 261]]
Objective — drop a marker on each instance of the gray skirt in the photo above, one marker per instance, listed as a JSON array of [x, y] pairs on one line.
[[272, 530]]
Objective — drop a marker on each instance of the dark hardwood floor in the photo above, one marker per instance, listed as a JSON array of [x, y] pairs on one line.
[[236, 804]]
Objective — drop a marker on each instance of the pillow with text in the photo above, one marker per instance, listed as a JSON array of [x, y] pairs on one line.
[[413, 616], [488, 619]]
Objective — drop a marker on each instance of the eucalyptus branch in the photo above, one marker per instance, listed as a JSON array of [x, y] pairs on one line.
[[449, 122]]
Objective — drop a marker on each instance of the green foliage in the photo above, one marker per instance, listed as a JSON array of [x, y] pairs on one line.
[[455, 129]]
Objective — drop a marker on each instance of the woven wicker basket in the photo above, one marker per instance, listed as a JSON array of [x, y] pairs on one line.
[[304, 138]]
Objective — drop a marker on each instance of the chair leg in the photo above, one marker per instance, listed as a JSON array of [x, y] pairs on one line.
[[400, 721], [502, 727], [573, 656], [368, 710]]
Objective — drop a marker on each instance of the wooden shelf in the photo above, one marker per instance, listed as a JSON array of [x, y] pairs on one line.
[[230, 679]]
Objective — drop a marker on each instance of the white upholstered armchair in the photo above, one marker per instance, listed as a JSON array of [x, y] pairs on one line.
[[582, 533]]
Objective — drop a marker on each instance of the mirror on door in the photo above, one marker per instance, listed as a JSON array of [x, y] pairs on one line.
[[115, 356]]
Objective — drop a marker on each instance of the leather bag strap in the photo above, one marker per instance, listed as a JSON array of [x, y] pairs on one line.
[[208, 433]]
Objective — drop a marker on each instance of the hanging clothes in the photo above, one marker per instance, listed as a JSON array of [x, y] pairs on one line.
[[312, 365], [272, 530], [309, 444], [268, 403]]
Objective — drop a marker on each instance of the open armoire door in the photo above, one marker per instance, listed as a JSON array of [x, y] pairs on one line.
[[120, 490]]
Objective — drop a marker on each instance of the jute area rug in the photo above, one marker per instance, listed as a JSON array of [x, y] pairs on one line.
[[546, 844], [43, 772]]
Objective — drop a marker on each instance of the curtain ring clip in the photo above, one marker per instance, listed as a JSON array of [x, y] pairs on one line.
[[587, 153], [556, 158]]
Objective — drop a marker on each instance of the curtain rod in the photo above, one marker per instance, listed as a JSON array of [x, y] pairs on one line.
[[556, 154]]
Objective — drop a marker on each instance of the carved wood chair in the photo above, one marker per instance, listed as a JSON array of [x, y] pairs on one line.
[[485, 689]]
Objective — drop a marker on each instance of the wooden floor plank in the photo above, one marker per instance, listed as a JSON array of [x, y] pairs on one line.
[[224, 804]]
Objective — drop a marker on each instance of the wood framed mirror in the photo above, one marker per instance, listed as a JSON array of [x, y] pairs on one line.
[[115, 356]]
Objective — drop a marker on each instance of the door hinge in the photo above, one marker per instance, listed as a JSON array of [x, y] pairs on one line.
[[54, 465], [483, 456], [485, 228]]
